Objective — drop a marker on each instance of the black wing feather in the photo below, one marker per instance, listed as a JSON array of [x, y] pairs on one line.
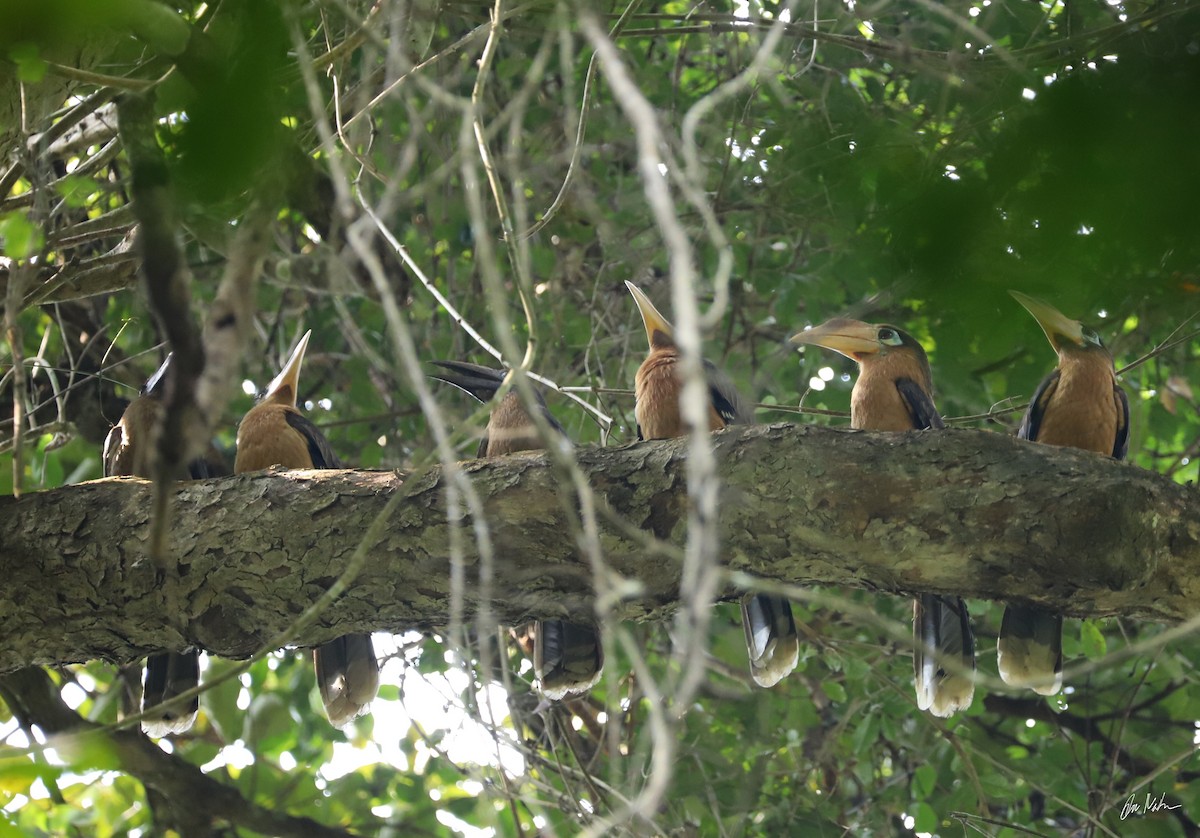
[[112, 444], [1031, 422], [1121, 444], [725, 398], [920, 405], [199, 469], [482, 383], [318, 446]]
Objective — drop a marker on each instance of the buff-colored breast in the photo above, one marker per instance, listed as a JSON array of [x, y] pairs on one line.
[[657, 388], [510, 429], [266, 439], [1083, 411], [875, 403]]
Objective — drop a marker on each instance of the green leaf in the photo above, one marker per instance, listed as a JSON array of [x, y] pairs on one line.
[[925, 819], [268, 722], [31, 67], [86, 750], [8, 829], [1091, 639], [865, 734], [221, 702], [76, 190], [924, 781], [155, 23], [17, 775], [21, 238], [835, 691]]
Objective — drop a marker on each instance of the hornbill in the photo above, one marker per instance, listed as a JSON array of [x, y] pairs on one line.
[[1078, 405], [771, 639], [567, 656], [129, 449], [275, 433], [894, 392]]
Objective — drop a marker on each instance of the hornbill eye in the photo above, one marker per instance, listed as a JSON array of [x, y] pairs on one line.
[[889, 337], [1091, 337]]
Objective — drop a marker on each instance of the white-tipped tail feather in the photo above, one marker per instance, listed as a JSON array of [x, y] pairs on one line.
[[943, 654], [771, 639], [1030, 650], [347, 676]]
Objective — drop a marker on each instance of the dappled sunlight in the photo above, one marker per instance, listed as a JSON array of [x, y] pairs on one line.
[[390, 191]]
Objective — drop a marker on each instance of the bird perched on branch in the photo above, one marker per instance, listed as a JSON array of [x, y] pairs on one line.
[[894, 392], [1078, 405], [567, 656], [130, 449], [275, 433], [771, 639]]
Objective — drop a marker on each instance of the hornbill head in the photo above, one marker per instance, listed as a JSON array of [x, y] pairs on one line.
[[862, 342], [1065, 335]]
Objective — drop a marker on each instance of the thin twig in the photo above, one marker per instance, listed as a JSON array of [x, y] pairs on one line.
[[1166, 344]]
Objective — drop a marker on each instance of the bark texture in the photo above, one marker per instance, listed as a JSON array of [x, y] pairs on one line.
[[965, 512]]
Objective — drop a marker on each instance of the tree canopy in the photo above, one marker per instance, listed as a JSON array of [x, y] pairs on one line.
[[416, 181]]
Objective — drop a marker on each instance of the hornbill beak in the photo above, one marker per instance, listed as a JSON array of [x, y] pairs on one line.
[[658, 328], [851, 338], [156, 383], [1057, 326], [285, 386]]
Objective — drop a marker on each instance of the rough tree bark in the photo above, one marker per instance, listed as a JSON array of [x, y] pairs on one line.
[[969, 512]]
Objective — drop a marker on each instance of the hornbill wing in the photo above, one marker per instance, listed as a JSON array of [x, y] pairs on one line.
[[1031, 422], [318, 446], [347, 670], [890, 357], [567, 657], [726, 400], [1029, 648], [772, 642], [114, 444], [941, 625], [920, 405], [482, 384], [942, 634], [126, 452], [200, 469], [1121, 444]]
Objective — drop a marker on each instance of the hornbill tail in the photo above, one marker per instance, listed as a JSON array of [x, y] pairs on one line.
[[771, 638], [942, 635]]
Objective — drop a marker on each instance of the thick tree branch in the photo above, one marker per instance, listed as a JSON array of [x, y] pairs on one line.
[[968, 512]]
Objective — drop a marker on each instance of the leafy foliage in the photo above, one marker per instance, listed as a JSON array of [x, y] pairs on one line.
[[899, 162]]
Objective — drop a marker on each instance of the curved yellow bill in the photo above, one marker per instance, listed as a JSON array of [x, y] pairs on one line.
[[851, 338], [286, 385], [1054, 323], [652, 319]]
